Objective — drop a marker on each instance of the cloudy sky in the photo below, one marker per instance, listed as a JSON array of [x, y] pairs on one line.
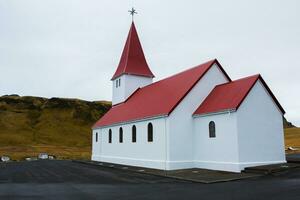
[[70, 48]]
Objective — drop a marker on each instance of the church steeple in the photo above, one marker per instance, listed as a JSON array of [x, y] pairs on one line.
[[133, 71], [133, 60]]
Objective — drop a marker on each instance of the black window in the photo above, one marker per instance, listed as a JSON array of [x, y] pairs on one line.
[[109, 136], [150, 132], [120, 135], [96, 137], [212, 129], [119, 82], [133, 133]]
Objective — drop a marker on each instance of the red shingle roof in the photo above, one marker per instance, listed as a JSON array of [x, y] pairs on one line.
[[133, 60], [229, 96], [157, 99]]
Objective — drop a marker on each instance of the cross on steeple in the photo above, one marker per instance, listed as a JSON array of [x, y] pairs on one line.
[[132, 12]]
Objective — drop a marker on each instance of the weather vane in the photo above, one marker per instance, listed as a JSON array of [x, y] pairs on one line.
[[132, 12]]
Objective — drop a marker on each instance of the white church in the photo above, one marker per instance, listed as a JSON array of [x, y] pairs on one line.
[[197, 118]]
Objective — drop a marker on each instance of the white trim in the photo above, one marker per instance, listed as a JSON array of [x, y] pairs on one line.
[[215, 113], [231, 166], [147, 163], [183, 164], [129, 122]]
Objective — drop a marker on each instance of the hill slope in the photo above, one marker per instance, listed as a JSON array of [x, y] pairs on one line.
[[34, 123]]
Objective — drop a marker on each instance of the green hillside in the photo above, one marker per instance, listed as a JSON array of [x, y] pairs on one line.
[[59, 126]]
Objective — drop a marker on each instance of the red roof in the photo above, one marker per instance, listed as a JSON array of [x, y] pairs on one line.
[[156, 99], [229, 96], [133, 60]]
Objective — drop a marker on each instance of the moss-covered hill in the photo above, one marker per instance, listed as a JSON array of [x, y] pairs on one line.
[[26, 121]]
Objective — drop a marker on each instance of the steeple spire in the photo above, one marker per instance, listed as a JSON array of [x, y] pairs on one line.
[[133, 60]]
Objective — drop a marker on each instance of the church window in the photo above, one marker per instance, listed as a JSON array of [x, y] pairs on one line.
[[109, 136], [121, 135], [150, 132], [119, 82], [212, 129], [133, 133], [96, 137]]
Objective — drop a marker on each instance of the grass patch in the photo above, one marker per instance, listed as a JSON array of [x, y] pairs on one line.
[[61, 152], [292, 138]]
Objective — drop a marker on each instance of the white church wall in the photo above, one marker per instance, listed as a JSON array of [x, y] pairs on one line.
[[220, 152], [260, 127], [141, 153], [133, 82], [180, 122], [118, 92], [96, 144], [128, 84]]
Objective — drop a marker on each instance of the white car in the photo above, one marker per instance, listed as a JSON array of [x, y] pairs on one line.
[[5, 158], [43, 156]]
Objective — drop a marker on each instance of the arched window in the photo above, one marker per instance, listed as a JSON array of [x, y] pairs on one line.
[[133, 133], [109, 136], [150, 132], [120, 135], [96, 137], [212, 129]]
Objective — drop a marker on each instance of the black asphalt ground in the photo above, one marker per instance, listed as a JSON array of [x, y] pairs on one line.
[[70, 180]]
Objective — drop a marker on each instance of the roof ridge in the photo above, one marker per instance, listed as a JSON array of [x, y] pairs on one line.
[[128, 47], [186, 70], [243, 78], [240, 79]]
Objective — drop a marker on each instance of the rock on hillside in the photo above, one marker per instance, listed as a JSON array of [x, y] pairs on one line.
[[287, 124], [56, 121]]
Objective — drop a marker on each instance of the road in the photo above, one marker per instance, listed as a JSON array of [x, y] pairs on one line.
[[70, 180]]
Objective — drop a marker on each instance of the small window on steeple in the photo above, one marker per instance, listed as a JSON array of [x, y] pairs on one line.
[[119, 82]]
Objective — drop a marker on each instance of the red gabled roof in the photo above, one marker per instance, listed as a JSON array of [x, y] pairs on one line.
[[133, 60], [157, 99], [229, 96]]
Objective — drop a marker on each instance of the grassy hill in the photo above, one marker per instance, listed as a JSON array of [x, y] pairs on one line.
[[30, 125]]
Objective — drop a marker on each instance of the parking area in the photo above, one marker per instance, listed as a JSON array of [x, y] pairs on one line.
[[70, 180]]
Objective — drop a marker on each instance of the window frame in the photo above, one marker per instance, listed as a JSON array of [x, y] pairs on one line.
[[120, 135], [133, 134], [212, 129], [109, 136], [150, 132]]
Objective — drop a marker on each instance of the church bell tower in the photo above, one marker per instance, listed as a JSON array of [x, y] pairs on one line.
[[133, 71]]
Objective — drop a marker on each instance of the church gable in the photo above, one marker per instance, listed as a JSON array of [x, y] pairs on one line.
[[229, 96]]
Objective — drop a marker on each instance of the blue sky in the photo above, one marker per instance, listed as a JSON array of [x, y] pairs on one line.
[[64, 48]]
